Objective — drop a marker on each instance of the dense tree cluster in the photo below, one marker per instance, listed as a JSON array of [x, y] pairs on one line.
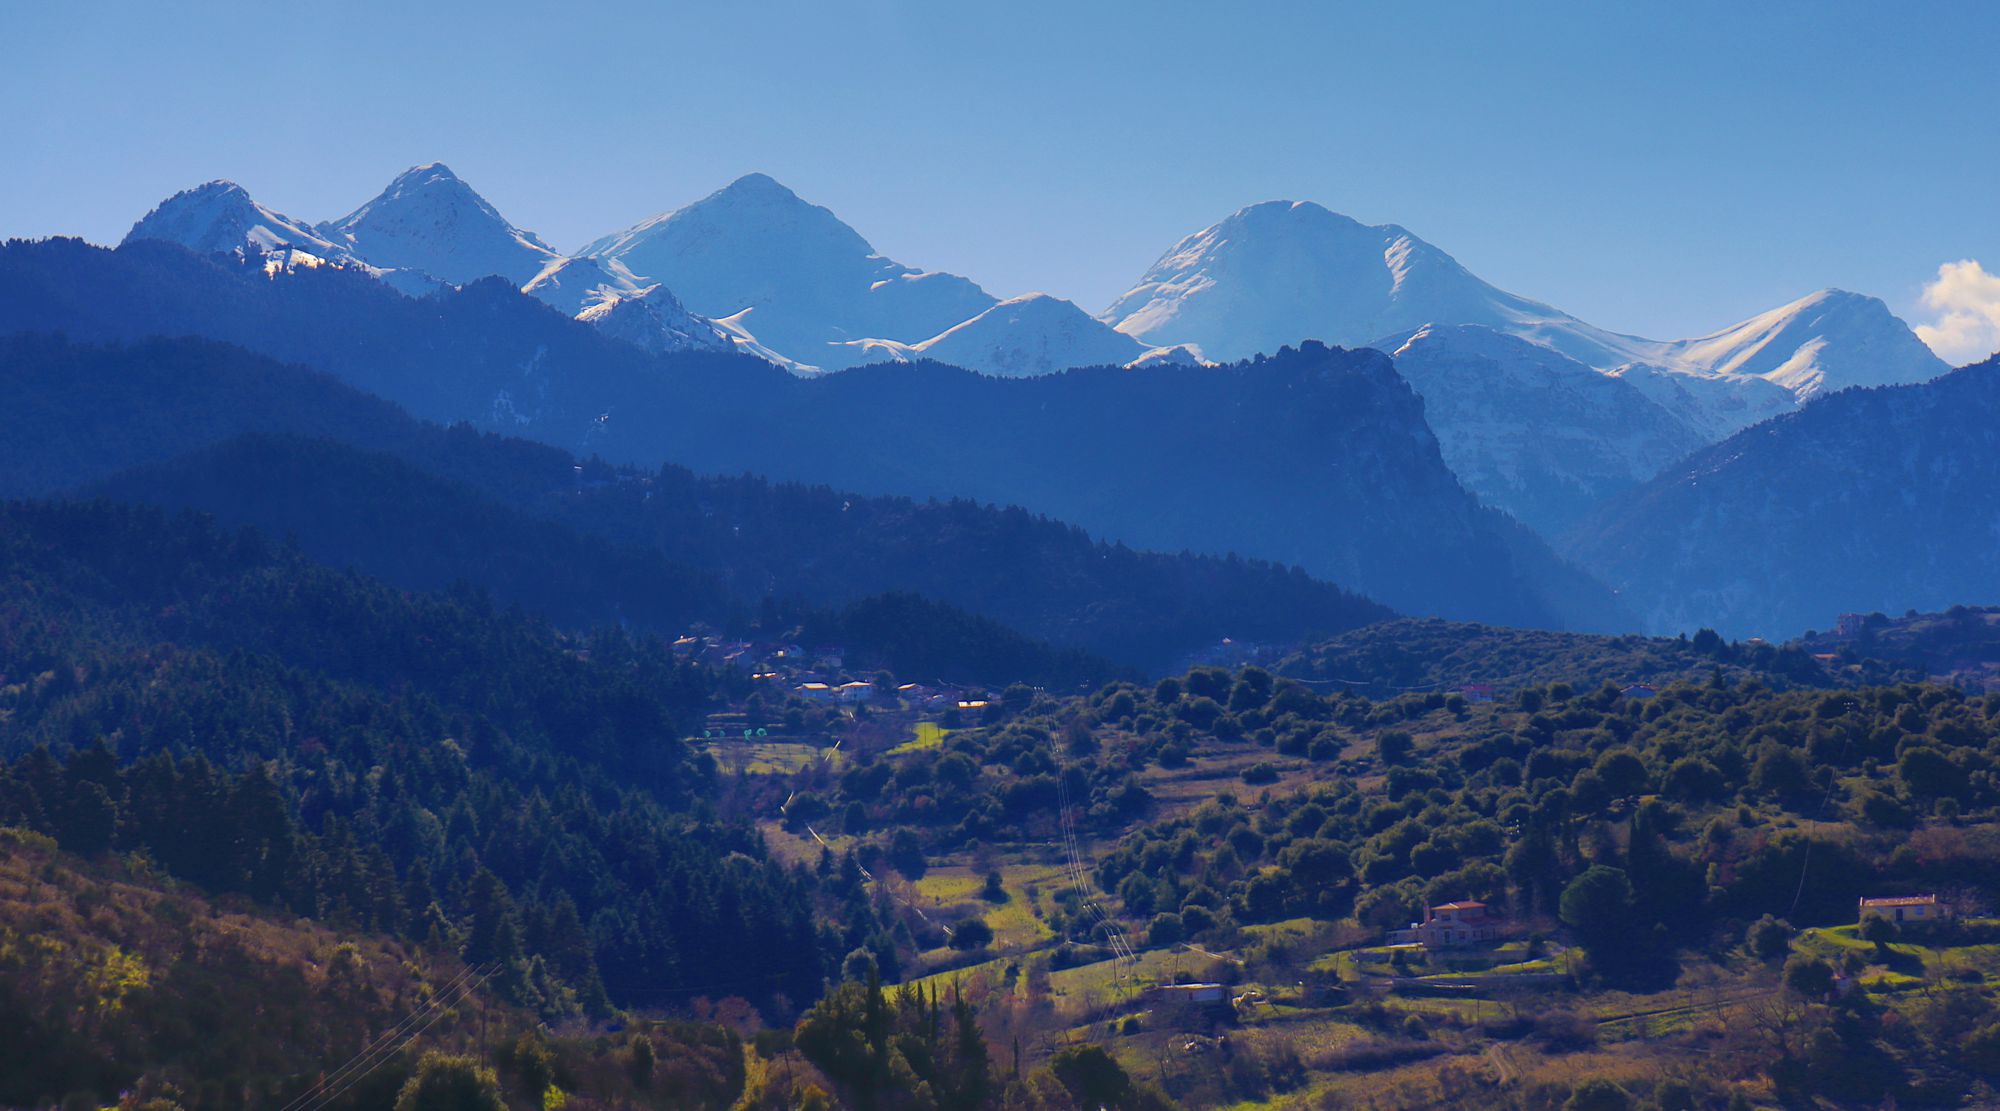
[[1387, 657], [906, 1048], [423, 766], [882, 1049], [1636, 821], [1642, 823]]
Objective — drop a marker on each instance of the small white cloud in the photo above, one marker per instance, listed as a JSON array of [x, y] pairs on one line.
[[1967, 302]]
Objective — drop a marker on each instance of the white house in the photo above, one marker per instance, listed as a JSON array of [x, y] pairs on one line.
[[816, 692], [1903, 908], [855, 692]]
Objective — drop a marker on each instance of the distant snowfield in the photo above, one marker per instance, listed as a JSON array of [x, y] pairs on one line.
[[1282, 271], [756, 268]]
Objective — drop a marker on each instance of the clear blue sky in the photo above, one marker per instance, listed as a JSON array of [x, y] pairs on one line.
[[1661, 168]]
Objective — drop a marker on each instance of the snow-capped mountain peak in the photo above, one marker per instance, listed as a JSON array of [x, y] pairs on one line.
[[760, 256], [1279, 272], [218, 217], [1030, 335], [1282, 271], [757, 187], [429, 219], [1769, 364], [1825, 341]]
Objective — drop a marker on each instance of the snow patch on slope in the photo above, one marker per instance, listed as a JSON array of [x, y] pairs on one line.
[[575, 284], [1531, 430], [1024, 337], [654, 320]]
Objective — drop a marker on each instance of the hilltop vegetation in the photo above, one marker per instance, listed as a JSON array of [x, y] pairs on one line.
[[111, 981], [1424, 796], [1388, 657], [1960, 645]]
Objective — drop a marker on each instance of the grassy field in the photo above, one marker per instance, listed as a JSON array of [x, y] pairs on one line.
[[1017, 922], [768, 757], [927, 734], [1904, 964], [799, 848]]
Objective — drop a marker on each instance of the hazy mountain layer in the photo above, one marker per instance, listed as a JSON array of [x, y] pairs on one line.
[[1320, 458], [1875, 499], [1532, 431]]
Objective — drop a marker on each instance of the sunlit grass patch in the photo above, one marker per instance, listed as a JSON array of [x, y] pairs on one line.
[[960, 889], [928, 734], [768, 757]]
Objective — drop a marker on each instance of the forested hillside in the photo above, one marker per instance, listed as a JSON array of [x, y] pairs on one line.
[[389, 762], [424, 507], [118, 979], [236, 782]]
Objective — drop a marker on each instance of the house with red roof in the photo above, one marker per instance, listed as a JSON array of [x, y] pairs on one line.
[[1448, 925]]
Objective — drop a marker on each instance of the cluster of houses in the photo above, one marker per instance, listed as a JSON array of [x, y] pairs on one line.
[[816, 674], [760, 659], [852, 693], [1468, 922], [915, 696]]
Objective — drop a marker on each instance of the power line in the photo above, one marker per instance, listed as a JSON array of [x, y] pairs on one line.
[[390, 1042], [1082, 882], [1812, 824], [387, 1035], [440, 1010]]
